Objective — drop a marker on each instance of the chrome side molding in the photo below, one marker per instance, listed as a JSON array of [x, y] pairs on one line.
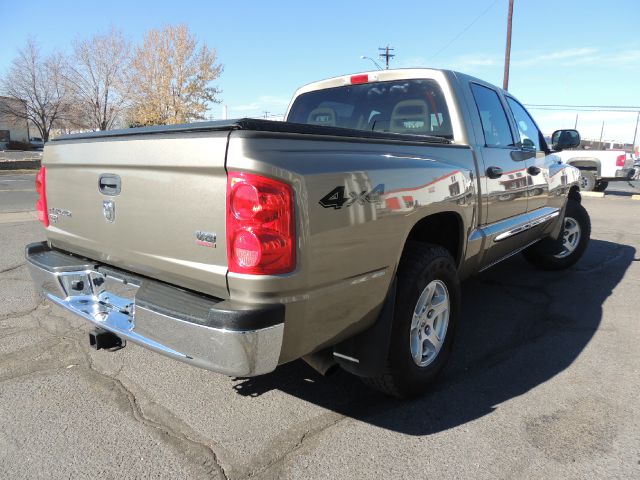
[[526, 226]]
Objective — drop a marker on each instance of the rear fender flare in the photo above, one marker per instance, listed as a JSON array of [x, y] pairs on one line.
[[586, 163]]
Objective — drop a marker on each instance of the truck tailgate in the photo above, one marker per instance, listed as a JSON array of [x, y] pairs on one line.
[[168, 219]]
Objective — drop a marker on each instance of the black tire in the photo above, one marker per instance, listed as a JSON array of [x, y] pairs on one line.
[[421, 264], [601, 186], [544, 254], [587, 180]]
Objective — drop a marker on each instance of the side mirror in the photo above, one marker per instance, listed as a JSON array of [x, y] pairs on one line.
[[564, 139]]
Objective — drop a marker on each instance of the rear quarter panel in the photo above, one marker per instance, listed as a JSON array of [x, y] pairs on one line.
[[347, 256]]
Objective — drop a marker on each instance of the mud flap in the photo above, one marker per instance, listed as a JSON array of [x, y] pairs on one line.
[[556, 233], [365, 354]]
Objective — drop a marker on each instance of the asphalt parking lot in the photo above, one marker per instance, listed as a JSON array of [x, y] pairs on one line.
[[544, 382]]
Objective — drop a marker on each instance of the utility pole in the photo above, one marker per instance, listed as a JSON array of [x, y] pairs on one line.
[[386, 55], [601, 132], [507, 53], [635, 133], [266, 113], [575, 127]]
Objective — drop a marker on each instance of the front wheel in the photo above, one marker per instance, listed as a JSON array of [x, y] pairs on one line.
[[426, 310], [587, 181], [550, 254]]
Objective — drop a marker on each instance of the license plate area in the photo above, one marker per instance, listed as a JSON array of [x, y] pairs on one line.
[[117, 293], [101, 296]]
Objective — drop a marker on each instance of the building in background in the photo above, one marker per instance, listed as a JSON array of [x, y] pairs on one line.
[[12, 128]]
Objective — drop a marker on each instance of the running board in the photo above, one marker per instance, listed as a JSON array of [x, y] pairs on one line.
[[509, 255]]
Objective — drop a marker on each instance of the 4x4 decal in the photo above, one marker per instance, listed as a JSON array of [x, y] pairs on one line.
[[336, 198]]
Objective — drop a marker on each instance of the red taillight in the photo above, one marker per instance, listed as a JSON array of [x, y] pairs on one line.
[[260, 225], [362, 78], [620, 160], [41, 190]]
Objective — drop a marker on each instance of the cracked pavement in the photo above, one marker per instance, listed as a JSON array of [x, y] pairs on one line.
[[543, 383]]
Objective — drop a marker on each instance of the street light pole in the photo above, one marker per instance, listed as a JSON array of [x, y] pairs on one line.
[[364, 57], [507, 53]]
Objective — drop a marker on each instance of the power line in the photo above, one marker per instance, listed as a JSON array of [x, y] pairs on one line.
[[267, 115], [552, 109], [464, 30], [599, 107]]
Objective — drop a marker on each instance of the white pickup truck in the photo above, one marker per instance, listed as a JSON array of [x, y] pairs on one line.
[[599, 167]]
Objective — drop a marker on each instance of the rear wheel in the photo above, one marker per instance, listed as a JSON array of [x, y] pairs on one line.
[[550, 254], [587, 180], [426, 311], [601, 186]]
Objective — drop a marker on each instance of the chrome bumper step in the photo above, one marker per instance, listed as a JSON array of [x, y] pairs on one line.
[[222, 336]]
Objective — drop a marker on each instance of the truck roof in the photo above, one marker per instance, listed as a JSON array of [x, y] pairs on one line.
[[438, 74], [374, 76]]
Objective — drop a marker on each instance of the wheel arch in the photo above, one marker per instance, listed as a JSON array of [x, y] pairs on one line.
[[586, 163], [574, 194], [444, 229]]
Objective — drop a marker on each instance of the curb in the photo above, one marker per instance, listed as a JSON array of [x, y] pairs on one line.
[[592, 194], [18, 217], [635, 197], [20, 165]]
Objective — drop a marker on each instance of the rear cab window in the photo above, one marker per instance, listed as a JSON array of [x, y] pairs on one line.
[[416, 107]]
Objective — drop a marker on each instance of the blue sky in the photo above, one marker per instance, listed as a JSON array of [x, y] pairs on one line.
[[563, 52]]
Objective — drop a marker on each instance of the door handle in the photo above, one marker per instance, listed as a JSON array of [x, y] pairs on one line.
[[494, 172], [109, 184], [533, 170]]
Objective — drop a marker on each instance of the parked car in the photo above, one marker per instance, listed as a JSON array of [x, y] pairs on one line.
[[339, 236], [599, 167], [36, 143]]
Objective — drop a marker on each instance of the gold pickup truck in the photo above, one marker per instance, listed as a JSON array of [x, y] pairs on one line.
[[339, 236]]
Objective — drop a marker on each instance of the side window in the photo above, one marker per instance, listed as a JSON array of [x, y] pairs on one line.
[[529, 133], [495, 125]]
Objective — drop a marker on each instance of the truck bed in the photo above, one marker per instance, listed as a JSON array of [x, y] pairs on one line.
[[255, 125]]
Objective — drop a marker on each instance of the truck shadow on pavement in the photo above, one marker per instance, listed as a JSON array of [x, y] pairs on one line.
[[519, 328]]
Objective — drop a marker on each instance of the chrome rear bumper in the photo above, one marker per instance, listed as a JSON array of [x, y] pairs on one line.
[[222, 336], [626, 173]]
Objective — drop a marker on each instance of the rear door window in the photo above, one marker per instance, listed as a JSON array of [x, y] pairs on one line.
[[495, 125], [416, 107]]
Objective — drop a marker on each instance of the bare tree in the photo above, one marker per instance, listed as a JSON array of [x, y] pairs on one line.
[[97, 77], [171, 78], [38, 84]]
